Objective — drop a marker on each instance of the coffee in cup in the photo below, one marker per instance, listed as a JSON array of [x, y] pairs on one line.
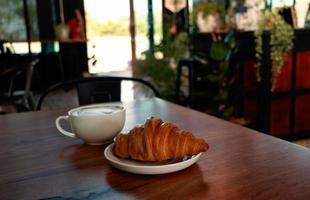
[[95, 124]]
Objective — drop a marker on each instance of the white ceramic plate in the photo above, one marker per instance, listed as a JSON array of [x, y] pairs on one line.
[[137, 167]]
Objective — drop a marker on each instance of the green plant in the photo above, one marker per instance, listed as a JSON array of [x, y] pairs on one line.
[[175, 47], [119, 26], [281, 42], [162, 71], [206, 8], [160, 74], [219, 75]]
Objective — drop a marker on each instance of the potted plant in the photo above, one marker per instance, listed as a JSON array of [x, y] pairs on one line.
[[160, 67], [209, 16], [218, 76], [281, 42]]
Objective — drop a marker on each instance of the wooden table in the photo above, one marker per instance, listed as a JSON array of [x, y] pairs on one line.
[[38, 163]]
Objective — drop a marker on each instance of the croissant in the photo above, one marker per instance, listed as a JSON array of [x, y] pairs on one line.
[[156, 141]]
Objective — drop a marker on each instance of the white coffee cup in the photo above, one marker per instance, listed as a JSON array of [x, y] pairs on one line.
[[95, 124]]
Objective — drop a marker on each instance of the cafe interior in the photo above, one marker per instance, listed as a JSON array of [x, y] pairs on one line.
[[233, 72]]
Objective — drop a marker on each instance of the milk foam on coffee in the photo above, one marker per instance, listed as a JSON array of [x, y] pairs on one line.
[[93, 111]]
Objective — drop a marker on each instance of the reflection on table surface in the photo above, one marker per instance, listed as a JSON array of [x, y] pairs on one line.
[[39, 163]]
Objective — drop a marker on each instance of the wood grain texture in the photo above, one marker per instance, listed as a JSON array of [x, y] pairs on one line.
[[39, 163]]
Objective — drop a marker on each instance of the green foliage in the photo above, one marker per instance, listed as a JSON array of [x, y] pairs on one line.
[[206, 7], [175, 47], [33, 18], [162, 71], [117, 27], [281, 42], [216, 73], [218, 51], [12, 22], [120, 26]]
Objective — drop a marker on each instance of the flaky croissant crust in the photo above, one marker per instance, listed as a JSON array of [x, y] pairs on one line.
[[156, 141]]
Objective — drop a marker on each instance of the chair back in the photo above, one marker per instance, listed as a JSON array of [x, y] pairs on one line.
[[16, 79], [91, 90], [98, 89]]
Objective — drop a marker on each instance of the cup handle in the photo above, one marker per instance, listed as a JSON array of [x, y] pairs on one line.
[[64, 132]]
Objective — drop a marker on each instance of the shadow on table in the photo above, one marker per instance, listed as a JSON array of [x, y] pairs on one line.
[[184, 184]]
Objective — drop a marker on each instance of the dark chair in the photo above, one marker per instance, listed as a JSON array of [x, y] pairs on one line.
[[93, 90], [193, 72], [16, 78]]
